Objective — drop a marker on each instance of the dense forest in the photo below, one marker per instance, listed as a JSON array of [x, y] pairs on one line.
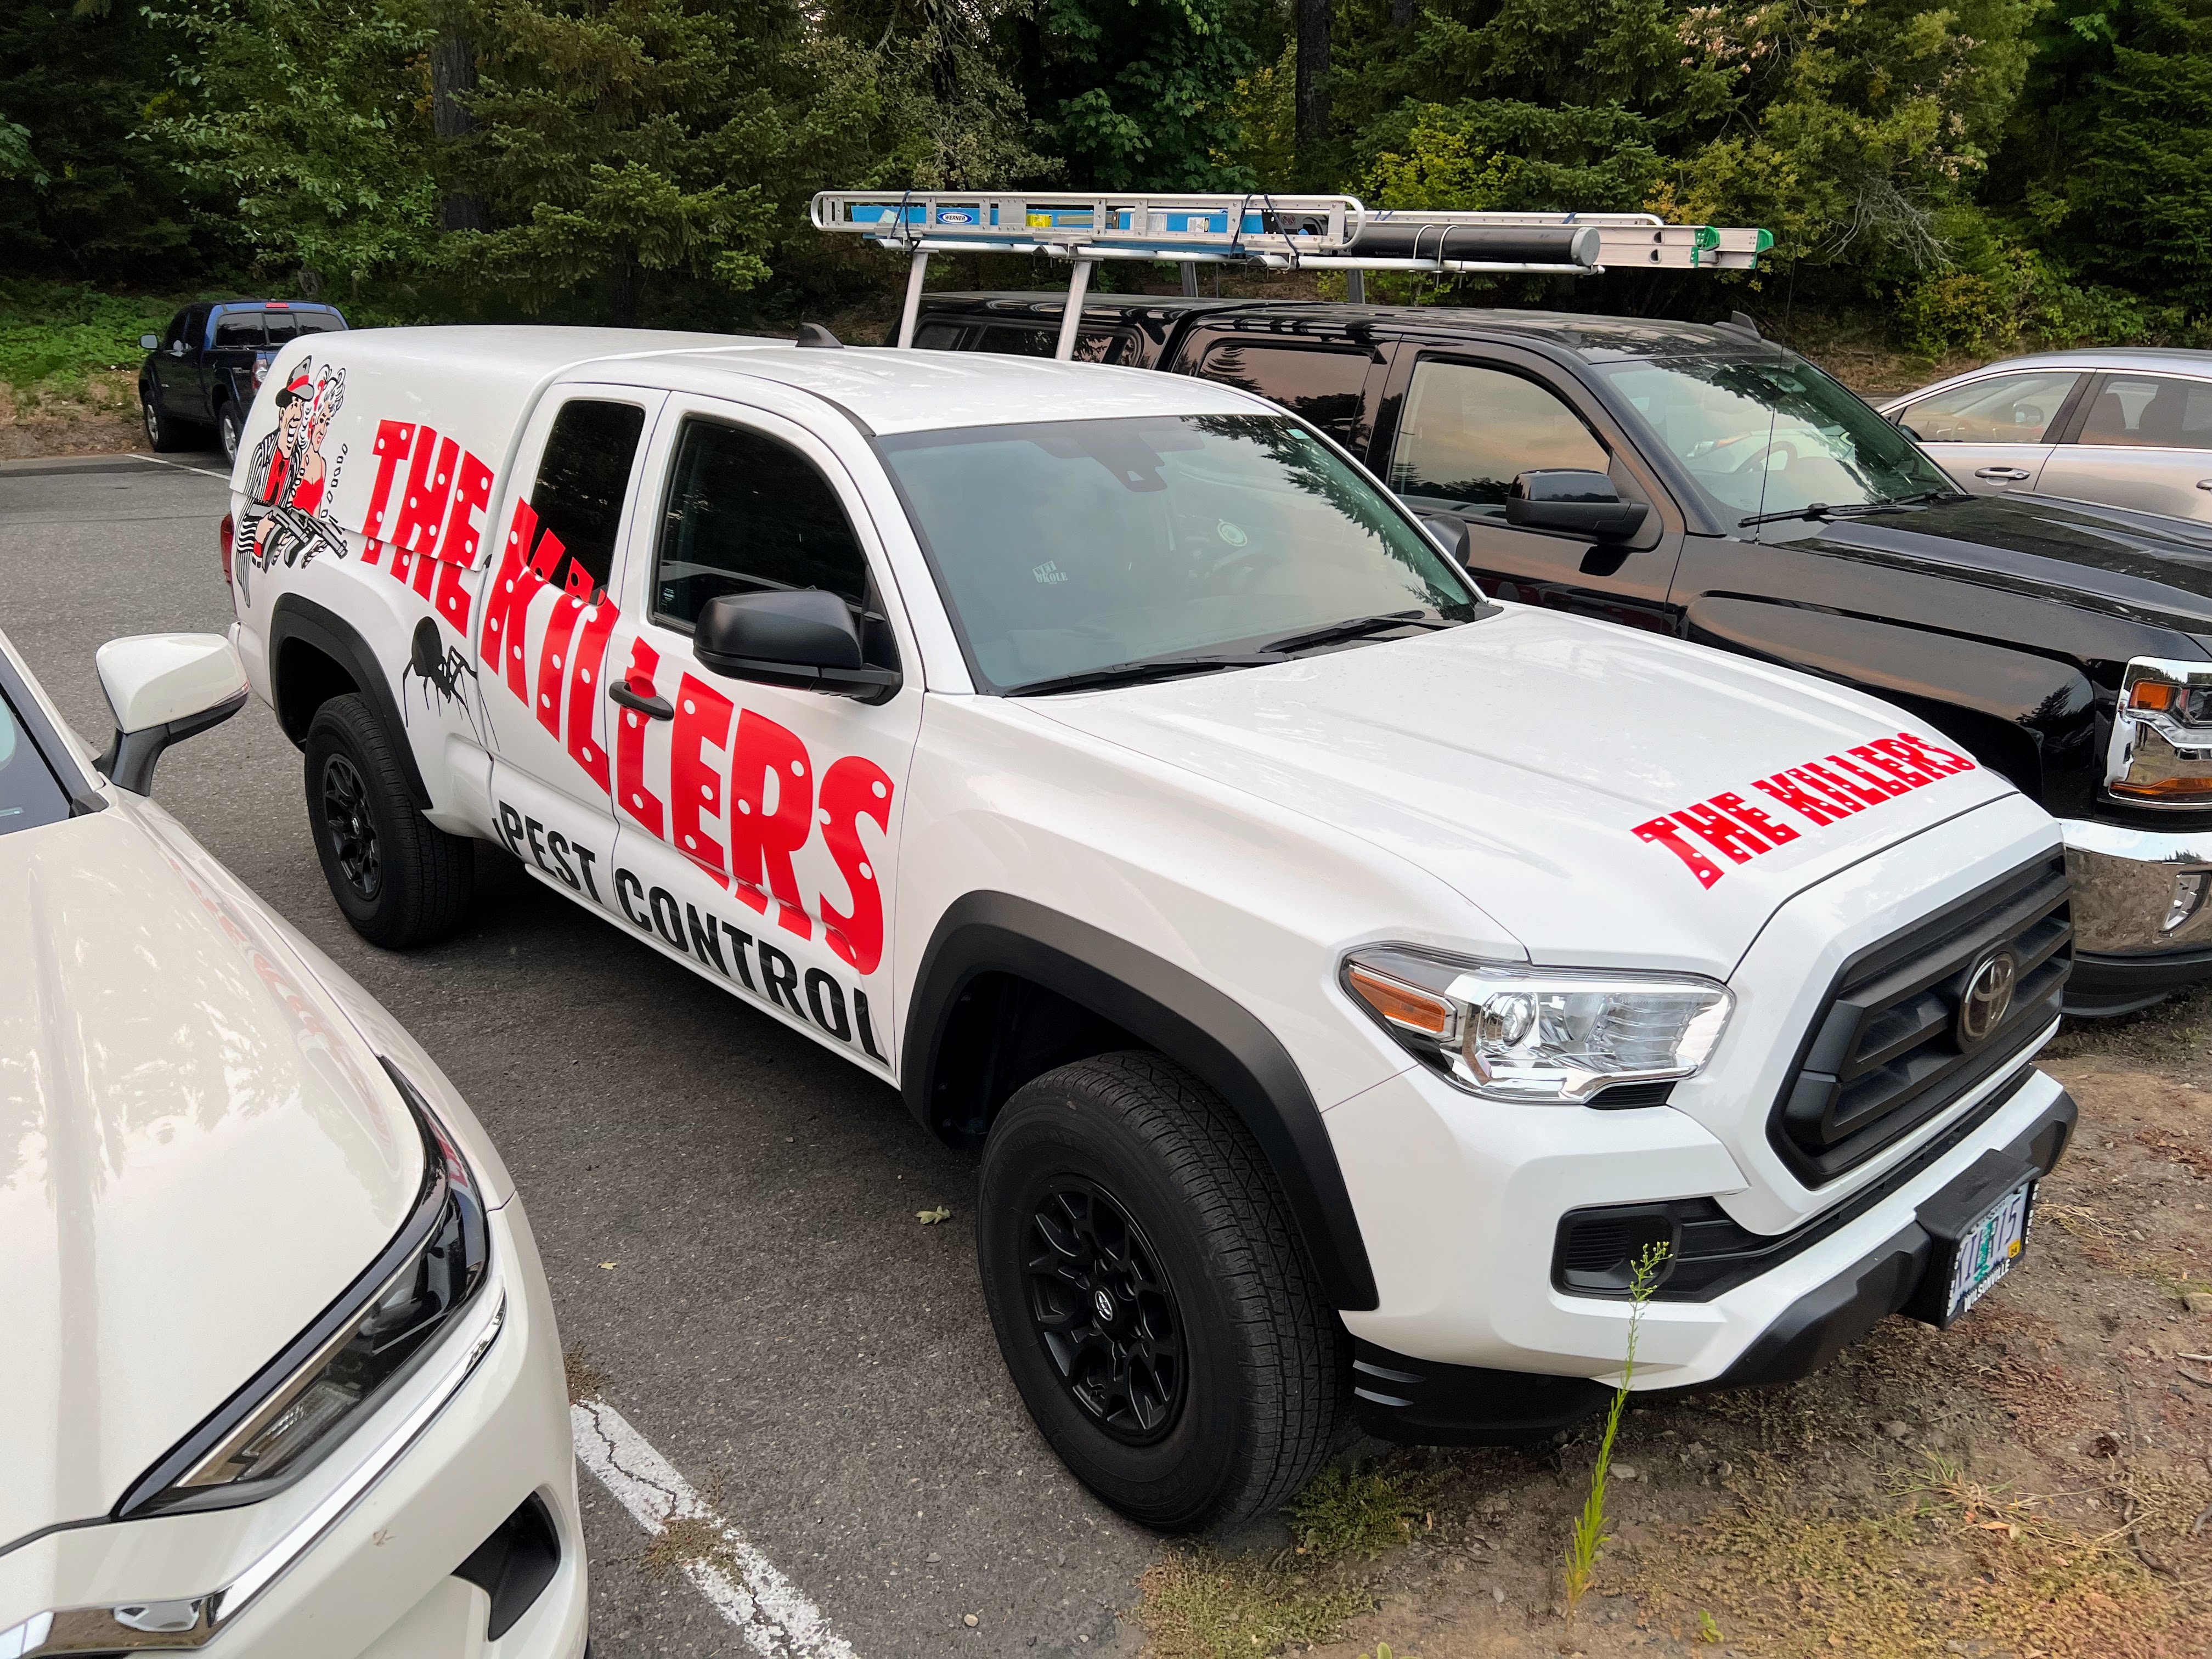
[[1983, 173]]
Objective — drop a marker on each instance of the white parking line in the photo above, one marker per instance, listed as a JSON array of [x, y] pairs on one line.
[[776, 1621], [156, 460]]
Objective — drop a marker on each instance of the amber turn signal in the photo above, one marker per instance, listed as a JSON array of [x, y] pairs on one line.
[[1401, 1004], [2154, 693]]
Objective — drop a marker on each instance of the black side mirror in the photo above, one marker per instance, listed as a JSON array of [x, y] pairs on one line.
[[800, 637], [1449, 532], [1575, 502]]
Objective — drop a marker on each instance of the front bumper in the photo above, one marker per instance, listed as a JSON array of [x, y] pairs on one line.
[[2142, 914], [377, 1579], [1402, 1398]]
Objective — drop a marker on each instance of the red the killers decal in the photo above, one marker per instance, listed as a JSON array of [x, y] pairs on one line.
[[1822, 791], [425, 514]]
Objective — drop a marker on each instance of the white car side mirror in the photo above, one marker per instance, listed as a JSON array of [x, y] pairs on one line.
[[164, 687]]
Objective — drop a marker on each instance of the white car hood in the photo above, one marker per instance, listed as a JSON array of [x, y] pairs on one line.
[[1513, 758], [197, 1153]]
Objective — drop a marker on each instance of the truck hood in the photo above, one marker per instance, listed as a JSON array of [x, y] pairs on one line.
[[2140, 566], [1514, 758], [197, 1154]]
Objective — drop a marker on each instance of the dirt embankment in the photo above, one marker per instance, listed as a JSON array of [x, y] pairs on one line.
[[100, 420]]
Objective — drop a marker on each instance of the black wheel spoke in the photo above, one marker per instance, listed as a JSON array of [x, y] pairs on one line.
[[351, 828], [1104, 1312]]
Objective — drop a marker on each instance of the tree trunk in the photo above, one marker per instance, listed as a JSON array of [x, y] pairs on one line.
[[453, 73], [1312, 92], [621, 292]]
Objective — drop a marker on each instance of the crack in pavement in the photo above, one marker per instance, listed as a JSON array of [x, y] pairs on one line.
[[772, 1613]]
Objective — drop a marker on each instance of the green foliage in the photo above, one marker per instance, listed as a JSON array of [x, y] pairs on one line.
[[300, 118], [1588, 1537], [1356, 1512], [1199, 1606], [54, 335]]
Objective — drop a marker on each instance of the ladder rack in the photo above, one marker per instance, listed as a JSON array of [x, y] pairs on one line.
[[1274, 231]]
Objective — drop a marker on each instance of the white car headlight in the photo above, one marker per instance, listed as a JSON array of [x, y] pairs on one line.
[[1508, 1032]]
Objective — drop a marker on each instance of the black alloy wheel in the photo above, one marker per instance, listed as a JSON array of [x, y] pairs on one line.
[[351, 828], [1105, 1313], [400, 880], [1151, 1297]]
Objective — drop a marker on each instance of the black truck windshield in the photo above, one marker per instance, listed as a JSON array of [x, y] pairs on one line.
[[1065, 547], [1772, 435]]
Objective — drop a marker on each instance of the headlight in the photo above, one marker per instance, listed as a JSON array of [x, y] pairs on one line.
[[1510, 1032], [2161, 748], [355, 1353]]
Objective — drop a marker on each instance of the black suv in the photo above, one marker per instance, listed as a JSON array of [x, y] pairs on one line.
[[204, 369], [1704, 483]]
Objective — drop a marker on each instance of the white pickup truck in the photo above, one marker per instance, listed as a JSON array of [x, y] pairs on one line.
[[1345, 978]]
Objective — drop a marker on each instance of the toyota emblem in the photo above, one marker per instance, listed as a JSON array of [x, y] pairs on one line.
[[1104, 1303], [1988, 998]]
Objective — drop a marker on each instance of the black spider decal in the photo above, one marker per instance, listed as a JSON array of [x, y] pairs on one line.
[[441, 668]]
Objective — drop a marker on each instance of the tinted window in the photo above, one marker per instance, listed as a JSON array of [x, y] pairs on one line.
[[1320, 387], [1092, 345], [1062, 546], [937, 336], [2005, 409], [2151, 412], [747, 514], [176, 329], [285, 325], [1468, 432], [238, 329], [583, 479], [30, 795]]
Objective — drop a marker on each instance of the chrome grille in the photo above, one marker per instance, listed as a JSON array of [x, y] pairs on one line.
[[1889, 1051]]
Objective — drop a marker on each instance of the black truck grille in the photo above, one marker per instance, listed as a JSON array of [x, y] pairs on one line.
[[1889, 1050]]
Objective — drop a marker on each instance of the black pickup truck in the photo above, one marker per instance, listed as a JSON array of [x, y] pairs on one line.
[[1703, 481], [202, 370]]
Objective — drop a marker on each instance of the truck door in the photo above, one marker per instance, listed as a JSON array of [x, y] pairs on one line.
[[544, 619], [1458, 426], [758, 824], [176, 366], [238, 335]]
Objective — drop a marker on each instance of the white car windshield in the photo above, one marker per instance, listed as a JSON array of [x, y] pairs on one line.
[[1773, 434], [1064, 547], [30, 794]]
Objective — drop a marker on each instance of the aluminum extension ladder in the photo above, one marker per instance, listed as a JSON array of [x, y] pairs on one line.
[[1275, 232]]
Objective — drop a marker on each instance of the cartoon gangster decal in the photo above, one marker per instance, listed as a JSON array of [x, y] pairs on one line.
[[1820, 792], [289, 513]]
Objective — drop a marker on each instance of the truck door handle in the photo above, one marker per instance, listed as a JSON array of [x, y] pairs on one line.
[[2006, 474], [2204, 483], [656, 709]]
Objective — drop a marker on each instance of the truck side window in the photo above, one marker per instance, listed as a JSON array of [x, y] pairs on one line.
[[583, 479], [937, 336], [747, 514], [1092, 345], [1321, 387], [176, 331], [1469, 431]]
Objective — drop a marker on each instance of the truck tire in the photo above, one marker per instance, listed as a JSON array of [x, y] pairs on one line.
[[1151, 1297], [163, 432], [400, 879], [230, 427]]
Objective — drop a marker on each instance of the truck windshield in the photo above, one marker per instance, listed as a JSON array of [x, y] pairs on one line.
[[1772, 435], [1066, 546]]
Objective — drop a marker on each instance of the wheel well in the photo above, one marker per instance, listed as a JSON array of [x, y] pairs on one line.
[[1001, 1031], [306, 678]]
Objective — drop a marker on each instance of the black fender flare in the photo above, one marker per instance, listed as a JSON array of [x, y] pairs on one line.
[[2046, 701], [1191, 1022], [296, 620]]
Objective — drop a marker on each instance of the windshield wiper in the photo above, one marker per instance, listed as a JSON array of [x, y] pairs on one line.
[[1357, 628], [1853, 509], [1150, 668]]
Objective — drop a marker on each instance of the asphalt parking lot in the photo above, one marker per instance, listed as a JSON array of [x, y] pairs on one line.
[[727, 1212]]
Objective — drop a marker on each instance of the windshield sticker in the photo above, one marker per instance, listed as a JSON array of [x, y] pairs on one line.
[[1822, 791]]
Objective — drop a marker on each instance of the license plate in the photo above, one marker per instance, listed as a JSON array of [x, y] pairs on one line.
[[1987, 1250]]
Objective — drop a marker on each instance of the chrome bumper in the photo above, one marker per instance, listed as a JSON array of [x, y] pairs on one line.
[[2138, 891]]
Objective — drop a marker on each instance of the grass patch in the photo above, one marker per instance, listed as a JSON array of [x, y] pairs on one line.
[[1954, 1566], [1198, 1606], [53, 337], [1359, 1512]]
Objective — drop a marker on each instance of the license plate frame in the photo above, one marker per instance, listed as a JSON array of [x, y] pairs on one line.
[[1986, 1251], [1987, 1210]]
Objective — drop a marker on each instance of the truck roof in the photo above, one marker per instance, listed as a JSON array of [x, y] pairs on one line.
[[497, 369]]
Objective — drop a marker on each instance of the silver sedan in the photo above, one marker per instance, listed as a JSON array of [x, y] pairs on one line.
[[2121, 427]]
